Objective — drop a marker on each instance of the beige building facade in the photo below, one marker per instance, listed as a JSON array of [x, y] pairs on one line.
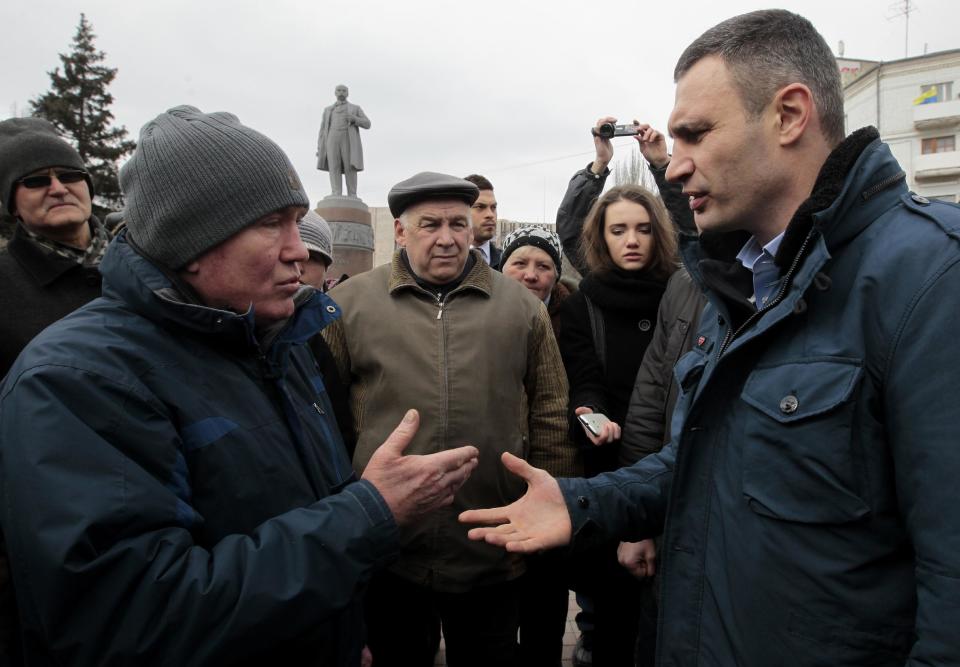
[[922, 136]]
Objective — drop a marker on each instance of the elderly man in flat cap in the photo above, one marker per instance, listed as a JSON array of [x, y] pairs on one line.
[[408, 337], [175, 490], [50, 266]]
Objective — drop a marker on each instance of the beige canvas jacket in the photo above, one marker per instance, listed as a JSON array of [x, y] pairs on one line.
[[482, 367]]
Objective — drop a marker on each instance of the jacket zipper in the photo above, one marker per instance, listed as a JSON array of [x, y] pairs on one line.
[[787, 278], [441, 302]]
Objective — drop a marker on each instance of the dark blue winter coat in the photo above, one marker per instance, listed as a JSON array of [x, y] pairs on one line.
[[174, 494], [812, 478]]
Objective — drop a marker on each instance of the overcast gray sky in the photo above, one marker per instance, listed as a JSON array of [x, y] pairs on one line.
[[506, 88]]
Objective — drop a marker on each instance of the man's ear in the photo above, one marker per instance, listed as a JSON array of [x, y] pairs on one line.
[[399, 233], [795, 110]]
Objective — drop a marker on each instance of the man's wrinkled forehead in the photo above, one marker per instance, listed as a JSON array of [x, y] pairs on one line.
[[439, 209]]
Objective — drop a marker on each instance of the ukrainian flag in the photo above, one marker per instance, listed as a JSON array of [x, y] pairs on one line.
[[927, 97]]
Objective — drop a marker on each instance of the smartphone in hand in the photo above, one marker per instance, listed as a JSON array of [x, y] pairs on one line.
[[593, 422]]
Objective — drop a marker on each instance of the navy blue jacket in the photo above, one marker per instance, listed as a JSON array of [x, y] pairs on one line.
[[175, 494], [811, 480]]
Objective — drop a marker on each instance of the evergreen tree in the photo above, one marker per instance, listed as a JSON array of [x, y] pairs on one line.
[[79, 105]]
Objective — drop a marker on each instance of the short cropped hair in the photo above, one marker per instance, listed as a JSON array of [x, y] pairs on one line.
[[767, 50], [480, 181], [593, 246]]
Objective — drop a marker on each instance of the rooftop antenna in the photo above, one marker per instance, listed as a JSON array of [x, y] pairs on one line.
[[840, 48], [903, 8]]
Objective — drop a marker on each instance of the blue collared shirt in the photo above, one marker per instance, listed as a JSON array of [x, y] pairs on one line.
[[759, 261]]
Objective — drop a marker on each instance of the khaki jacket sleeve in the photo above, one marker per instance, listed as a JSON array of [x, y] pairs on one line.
[[546, 387]]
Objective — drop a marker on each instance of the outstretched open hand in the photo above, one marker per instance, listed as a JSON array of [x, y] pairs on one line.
[[539, 520]]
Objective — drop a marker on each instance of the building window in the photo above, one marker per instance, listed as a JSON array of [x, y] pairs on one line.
[[938, 145], [935, 92]]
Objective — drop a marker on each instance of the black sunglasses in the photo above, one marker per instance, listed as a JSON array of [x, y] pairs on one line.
[[44, 180]]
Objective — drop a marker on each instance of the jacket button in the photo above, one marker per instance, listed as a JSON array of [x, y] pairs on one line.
[[789, 404], [644, 325], [331, 309], [583, 502], [920, 199]]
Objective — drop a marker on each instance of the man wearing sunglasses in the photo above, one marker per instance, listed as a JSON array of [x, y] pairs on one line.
[[50, 266]]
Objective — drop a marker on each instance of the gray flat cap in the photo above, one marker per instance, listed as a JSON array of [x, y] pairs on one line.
[[429, 185]]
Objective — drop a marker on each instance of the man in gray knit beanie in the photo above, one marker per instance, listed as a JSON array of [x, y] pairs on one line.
[[196, 179], [317, 236], [171, 449]]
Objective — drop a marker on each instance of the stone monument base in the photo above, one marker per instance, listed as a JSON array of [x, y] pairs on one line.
[[350, 222]]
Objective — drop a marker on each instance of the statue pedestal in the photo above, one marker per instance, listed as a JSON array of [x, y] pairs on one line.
[[350, 222]]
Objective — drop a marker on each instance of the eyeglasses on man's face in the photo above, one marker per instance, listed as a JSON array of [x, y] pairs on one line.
[[65, 176]]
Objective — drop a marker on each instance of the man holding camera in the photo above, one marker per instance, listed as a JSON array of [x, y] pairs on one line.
[[815, 451]]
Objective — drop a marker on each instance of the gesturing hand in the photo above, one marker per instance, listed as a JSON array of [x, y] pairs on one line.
[[414, 485], [538, 520]]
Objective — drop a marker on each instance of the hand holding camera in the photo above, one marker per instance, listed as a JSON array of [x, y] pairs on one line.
[[653, 145], [602, 144]]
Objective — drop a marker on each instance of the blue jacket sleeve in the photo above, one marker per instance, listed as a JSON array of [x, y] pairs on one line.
[[920, 402], [628, 504], [106, 574]]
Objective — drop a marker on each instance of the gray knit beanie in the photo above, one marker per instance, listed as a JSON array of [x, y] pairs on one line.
[[316, 235], [196, 179], [29, 144]]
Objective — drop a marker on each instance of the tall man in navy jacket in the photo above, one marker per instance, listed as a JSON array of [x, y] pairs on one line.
[[175, 488], [806, 499]]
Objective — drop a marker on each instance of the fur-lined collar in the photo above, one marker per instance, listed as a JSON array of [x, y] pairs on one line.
[[829, 185]]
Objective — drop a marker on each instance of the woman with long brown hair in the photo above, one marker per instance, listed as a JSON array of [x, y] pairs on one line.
[[630, 249]]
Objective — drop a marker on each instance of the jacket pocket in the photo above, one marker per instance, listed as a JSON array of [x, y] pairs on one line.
[[799, 461]]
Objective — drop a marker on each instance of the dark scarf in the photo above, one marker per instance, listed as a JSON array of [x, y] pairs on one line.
[[89, 257], [617, 289]]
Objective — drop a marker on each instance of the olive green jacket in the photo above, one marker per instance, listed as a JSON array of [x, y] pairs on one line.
[[482, 367]]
